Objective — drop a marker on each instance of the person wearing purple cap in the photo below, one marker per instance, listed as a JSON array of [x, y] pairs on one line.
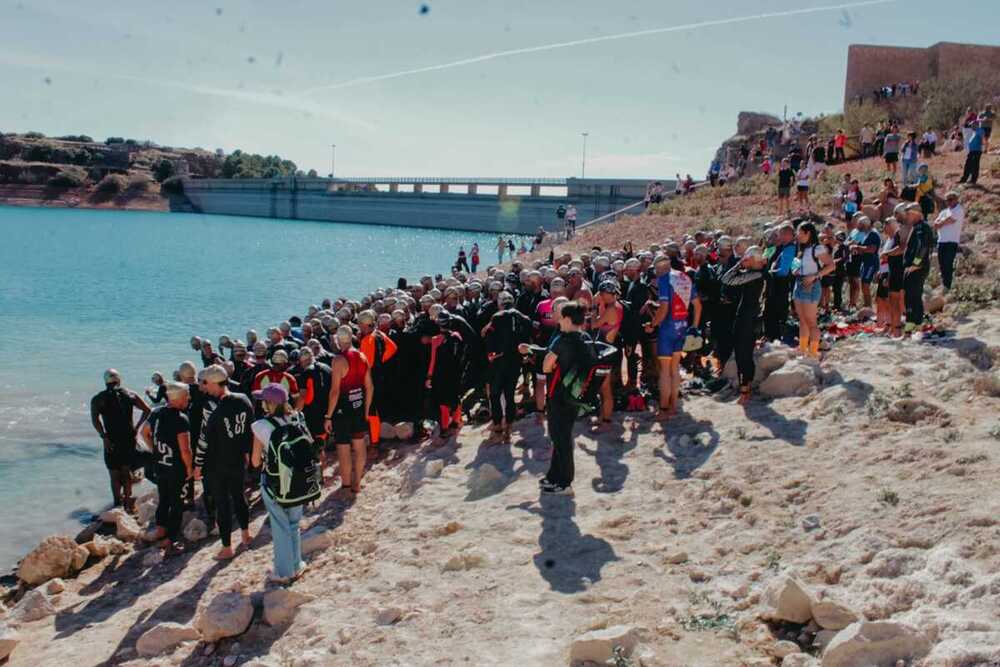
[[286, 538]]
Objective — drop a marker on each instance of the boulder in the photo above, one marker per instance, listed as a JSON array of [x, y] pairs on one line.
[[773, 359], [434, 468], [388, 615], [789, 599], [8, 640], [875, 643], [281, 604], [55, 586], [145, 511], [783, 648], [832, 615], [484, 481], [227, 615], [33, 606], [796, 378], [467, 560], [101, 546], [126, 527], [404, 430], [195, 530], [934, 303], [799, 660], [316, 538], [164, 637], [387, 431], [152, 558], [56, 556], [599, 645]]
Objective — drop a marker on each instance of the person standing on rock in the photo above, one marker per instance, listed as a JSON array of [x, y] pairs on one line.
[[223, 451], [112, 412], [167, 432], [564, 359]]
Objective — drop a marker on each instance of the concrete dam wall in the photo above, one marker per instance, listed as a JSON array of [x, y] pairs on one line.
[[316, 199]]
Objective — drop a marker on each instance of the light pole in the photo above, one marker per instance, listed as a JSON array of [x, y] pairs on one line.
[[333, 160], [583, 166]]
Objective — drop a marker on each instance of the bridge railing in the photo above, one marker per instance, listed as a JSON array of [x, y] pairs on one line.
[[608, 218], [403, 180]]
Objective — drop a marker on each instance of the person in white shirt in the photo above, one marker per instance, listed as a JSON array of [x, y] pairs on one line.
[[867, 139], [928, 142], [948, 226]]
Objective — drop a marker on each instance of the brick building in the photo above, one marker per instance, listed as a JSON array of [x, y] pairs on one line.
[[871, 66]]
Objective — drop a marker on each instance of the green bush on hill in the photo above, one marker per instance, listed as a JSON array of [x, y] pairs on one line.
[[947, 99], [69, 177], [250, 165], [172, 185], [112, 184], [78, 138], [164, 169]]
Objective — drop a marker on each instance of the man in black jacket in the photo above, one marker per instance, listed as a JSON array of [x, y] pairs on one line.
[[916, 265]]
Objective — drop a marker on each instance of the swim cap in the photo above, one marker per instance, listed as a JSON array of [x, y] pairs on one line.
[[111, 376]]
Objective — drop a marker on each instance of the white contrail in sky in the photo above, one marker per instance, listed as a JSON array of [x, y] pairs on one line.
[[588, 40]]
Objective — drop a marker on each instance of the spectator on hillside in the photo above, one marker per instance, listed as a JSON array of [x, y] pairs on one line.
[[890, 149], [909, 154], [928, 142], [785, 178], [948, 226], [888, 197], [713, 172], [986, 122], [839, 143], [974, 146], [802, 190], [867, 140]]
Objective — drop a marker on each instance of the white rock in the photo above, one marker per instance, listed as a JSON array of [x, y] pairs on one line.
[[388, 615], [227, 615], [772, 360], [782, 648], [316, 539], [485, 480], [55, 586], [8, 640], [789, 599], [404, 430], [799, 660], [55, 556], [434, 468], [164, 637], [832, 615], [126, 527], [796, 378], [387, 431], [599, 645], [33, 606], [146, 510], [195, 530], [875, 643], [152, 558], [280, 605], [676, 558]]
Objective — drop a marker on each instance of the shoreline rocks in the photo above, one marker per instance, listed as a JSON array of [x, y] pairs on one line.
[[56, 556], [164, 637], [227, 615]]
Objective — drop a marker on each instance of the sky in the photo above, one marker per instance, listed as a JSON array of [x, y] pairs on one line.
[[448, 87]]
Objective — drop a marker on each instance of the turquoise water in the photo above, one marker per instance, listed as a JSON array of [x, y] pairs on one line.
[[83, 290]]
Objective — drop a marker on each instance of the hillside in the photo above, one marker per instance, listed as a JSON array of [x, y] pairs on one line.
[[869, 480], [72, 171]]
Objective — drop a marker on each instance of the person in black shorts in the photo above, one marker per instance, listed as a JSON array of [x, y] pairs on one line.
[[112, 412], [350, 401], [167, 433], [223, 450], [892, 254]]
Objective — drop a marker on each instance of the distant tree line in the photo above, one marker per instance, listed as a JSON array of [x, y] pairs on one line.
[[250, 165]]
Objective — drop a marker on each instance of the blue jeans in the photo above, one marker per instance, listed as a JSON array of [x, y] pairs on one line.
[[908, 167], [285, 537]]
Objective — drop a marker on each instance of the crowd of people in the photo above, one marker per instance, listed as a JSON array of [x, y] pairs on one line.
[[559, 336]]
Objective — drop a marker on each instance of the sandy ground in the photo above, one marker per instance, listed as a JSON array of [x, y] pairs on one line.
[[486, 572]]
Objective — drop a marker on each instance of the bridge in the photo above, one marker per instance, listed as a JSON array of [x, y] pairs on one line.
[[483, 204]]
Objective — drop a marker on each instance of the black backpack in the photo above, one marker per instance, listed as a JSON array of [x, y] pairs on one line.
[[291, 464], [582, 384]]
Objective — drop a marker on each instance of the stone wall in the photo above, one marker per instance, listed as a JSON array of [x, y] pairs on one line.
[[872, 66]]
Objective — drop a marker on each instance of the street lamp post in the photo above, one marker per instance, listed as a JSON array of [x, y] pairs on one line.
[[333, 160], [583, 165]]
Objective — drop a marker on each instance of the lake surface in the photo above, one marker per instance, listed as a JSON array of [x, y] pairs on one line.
[[84, 290]]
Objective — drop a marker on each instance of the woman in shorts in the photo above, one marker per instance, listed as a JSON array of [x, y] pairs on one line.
[[802, 189], [891, 257], [811, 265]]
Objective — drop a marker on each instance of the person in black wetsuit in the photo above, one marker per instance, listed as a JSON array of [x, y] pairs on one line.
[[725, 309], [444, 372], [507, 329], [745, 282], [112, 414], [916, 266], [313, 378], [568, 352], [223, 450], [167, 433]]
